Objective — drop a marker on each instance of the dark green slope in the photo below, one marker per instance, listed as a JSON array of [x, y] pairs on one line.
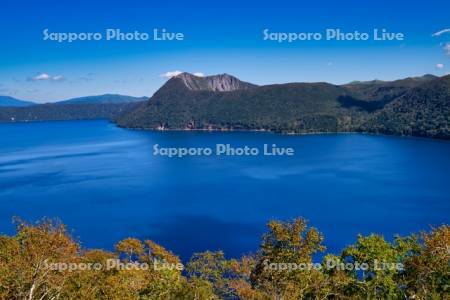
[[422, 111], [374, 95], [377, 90]]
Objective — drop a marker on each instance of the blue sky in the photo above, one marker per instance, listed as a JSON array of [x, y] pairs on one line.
[[220, 37]]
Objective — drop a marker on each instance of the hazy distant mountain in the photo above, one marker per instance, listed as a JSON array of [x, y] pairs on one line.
[[7, 101], [409, 80], [53, 112], [92, 107], [107, 98]]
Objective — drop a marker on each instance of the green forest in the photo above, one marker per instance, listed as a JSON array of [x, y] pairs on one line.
[[415, 106], [43, 261]]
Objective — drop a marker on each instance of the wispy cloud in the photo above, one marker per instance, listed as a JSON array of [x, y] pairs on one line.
[[41, 76], [45, 76], [440, 66], [171, 74], [440, 32], [447, 48], [58, 78], [87, 77]]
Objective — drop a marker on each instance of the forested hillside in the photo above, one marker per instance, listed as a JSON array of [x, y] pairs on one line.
[[416, 106]]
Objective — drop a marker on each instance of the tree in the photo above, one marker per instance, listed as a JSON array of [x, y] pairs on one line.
[[24, 260], [131, 248], [284, 268], [427, 271], [378, 264], [213, 268]]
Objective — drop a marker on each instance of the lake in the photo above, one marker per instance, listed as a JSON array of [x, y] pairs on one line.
[[106, 184]]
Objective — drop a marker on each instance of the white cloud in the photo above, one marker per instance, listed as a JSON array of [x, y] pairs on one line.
[[45, 76], [42, 76], [446, 30], [171, 74], [440, 66]]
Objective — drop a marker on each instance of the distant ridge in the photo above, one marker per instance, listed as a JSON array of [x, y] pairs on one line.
[[423, 78], [103, 99], [106, 106], [7, 101]]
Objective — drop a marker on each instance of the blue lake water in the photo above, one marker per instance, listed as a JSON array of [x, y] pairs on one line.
[[105, 184]]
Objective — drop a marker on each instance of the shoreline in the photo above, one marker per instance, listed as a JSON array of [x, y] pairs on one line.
[[231, 130], [282, 133]]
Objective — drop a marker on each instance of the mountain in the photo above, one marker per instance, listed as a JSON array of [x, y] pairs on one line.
[[107, 98], [92, 107], [422, 111], [405, 81], [216, 83], [54, 112], [374, 95], [298, 107], [7, 101], [410, 106], [378, 90], [418, 106]]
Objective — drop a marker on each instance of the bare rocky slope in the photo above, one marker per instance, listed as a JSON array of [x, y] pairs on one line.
[[216, 83]]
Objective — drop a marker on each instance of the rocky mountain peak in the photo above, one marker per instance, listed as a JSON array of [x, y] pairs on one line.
[[215, 83]]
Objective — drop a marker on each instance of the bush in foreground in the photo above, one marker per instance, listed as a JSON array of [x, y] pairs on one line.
[[42, 261]]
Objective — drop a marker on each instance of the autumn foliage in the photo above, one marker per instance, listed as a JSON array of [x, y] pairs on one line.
[[42, 261]]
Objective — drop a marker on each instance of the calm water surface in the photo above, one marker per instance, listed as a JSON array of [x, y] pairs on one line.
[[105, 184]]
